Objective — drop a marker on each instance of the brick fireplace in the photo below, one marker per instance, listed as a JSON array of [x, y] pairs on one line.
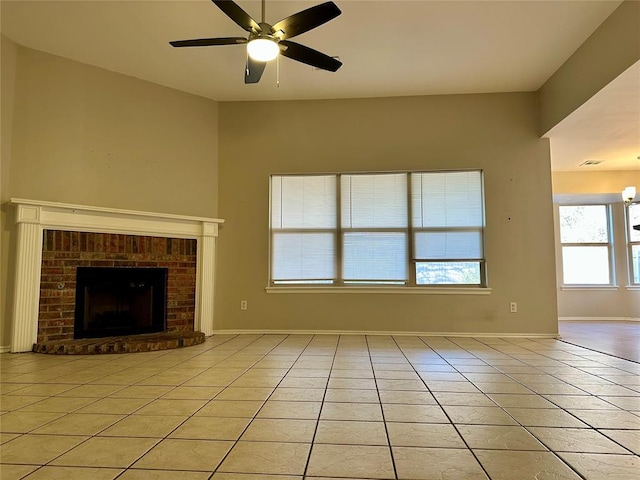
[[63, 252], [54, 239]]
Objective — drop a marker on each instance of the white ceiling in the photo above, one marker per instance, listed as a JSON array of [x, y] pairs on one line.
[[389, 48]]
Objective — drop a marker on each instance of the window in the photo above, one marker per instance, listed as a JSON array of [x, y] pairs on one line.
[[633, 218], [411, 229], [586, 245]]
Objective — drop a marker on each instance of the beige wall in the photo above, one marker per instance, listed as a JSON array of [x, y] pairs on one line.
[[8, 54], [497, 133], [598, 187], [608, 52], [85, 135]]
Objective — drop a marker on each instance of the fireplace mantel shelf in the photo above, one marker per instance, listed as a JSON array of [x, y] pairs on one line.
[[34, 216]]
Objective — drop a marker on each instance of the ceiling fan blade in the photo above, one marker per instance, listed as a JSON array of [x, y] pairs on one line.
[[238, 15], [307, 55], [254, 70], [207, 42], [306, 20]]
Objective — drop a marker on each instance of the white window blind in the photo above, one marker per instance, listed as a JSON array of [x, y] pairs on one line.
[[374, 225], [447, 215], [378, 228], [303, 226]]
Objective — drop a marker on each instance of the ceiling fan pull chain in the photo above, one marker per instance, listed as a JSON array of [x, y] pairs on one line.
[[278, 71]]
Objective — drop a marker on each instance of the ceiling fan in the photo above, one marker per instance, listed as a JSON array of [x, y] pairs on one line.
[[266, 41]]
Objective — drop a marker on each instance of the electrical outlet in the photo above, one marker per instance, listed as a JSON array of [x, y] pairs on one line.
[[243, 304], [513, 307]]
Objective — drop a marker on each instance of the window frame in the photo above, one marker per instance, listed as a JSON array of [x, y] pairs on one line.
[[630, 245], [411, 285], [609, 245]]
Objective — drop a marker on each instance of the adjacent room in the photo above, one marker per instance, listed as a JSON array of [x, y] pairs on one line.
[[401, 247]]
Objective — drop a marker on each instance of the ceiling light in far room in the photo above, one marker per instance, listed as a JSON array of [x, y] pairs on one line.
[[628, 194], [263, 49]]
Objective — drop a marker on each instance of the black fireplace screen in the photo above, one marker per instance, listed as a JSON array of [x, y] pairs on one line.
[[112, 301]]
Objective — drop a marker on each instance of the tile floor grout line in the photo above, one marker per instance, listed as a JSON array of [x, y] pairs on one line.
[[464, 440], [384, 419]]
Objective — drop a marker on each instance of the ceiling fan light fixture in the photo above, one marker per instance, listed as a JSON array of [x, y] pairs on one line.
[[263, 49]]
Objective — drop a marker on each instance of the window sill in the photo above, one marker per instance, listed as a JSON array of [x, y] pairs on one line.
[[383, 290], [591, 287], [633, 287]]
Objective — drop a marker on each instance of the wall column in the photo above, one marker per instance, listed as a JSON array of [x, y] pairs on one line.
[[27, 279]]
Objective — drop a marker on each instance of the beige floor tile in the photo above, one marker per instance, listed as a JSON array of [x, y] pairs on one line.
[[193, 393], [351, 395], [499, 437], [154, 426], [405, 397], [604, 467], [457, 387], [499, 387], [510, 465], [357, 383], [280, 430], [303, 382], [352, 411], [79, 424], [267, 458], [521, 401], [587, 402], [423, 435], [576, 440], [141, 391], [16, 402], [414, 413], [175, 454], [171, 407], [46, 389], [464, 399], [139, 474], [442, 376], [22, 422], [355, 373], [255, 382], [253, 476], [396, 375], [478, 415], [298, 394], [74, 473], [211, 428], [351, 433], [122, 406], [229, 408], [38, 449], [608, 418], [350, 461], [5, 437], [10, 388], [16, 472], [630, 439], [309, 373], [106, 452], [91, 391], [411, 385], [248, 393], [545, 417], [626, 403], [282, 409], [59, 404], [436, 463]]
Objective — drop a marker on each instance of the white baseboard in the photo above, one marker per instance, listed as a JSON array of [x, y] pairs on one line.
[[598, 319], [414, 334], [5, 349]]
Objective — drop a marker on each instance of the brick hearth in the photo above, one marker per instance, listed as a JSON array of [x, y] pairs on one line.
[[64, 251]]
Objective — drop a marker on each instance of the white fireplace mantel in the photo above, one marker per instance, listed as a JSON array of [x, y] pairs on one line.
[[33, 217]]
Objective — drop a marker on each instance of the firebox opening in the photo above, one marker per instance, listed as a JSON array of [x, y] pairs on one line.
[[112, 301]]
